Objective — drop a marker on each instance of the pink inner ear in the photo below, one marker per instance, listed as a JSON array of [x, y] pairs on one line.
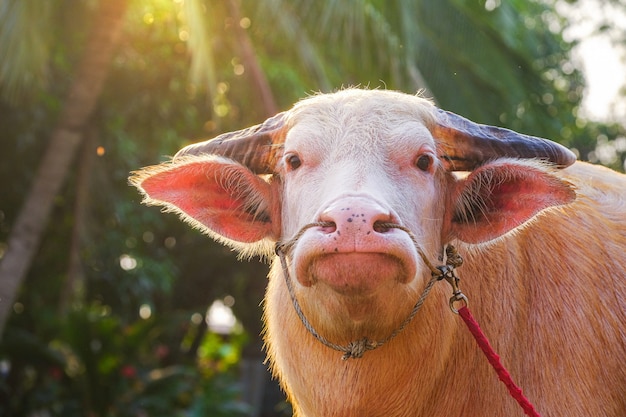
[[224, 198], [498, 198], [520, 200]]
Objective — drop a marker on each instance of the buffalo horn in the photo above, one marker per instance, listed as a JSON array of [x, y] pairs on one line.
[[465, 145], [257, 147]]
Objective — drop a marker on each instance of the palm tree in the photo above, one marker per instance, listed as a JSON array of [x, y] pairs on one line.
[[494, 62], [65, 140]]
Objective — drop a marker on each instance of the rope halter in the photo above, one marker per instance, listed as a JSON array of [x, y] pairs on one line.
[[357, 348]]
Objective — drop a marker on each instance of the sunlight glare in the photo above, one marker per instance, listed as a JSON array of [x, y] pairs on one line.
[[245, 22], [148, 18], [145, 311], [220, 318], [127, 262]]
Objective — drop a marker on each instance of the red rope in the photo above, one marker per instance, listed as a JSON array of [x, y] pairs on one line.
[[494, 360]]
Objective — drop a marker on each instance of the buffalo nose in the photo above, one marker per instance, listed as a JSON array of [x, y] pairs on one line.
[[356, 216]]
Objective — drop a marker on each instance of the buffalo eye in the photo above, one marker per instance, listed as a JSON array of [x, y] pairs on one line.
[[424, 162], [293, 162]]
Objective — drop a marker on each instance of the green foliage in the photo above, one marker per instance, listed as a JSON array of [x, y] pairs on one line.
[[25, 47], [506, 59], [98, 365], [100, 358]]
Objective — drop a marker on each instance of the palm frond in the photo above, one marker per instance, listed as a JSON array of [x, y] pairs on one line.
[[24, 47], [202, 71], [287, 15]]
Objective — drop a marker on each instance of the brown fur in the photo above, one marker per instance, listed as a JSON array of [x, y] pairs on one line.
[[549, 296]]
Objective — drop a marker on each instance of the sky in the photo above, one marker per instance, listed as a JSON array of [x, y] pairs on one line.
[[601, 60]]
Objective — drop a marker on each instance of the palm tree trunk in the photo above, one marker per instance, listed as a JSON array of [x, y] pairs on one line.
[[73, 289], [64, 143], [251, 62]]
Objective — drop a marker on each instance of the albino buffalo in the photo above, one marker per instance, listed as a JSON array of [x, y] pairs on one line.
[[360, 189]]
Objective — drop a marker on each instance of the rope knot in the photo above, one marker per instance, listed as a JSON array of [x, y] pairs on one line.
[[454, 260], [358, 348]]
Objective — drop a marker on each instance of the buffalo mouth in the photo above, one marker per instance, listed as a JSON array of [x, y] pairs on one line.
[[357, 293], [344, 308], [356, 273]]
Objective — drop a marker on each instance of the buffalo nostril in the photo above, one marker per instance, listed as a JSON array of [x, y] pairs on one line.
[[381, 227], [328, 227]]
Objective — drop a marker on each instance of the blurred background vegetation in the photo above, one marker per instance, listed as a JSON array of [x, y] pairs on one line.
[[104, 303]]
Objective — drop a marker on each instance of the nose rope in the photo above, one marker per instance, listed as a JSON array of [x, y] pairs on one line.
[[357, 348]]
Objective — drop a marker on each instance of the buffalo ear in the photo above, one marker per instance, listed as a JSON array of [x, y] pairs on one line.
[[500, 196], [216, 195]]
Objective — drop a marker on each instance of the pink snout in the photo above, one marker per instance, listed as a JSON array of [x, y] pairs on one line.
[[357, 254], [357, 223]]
